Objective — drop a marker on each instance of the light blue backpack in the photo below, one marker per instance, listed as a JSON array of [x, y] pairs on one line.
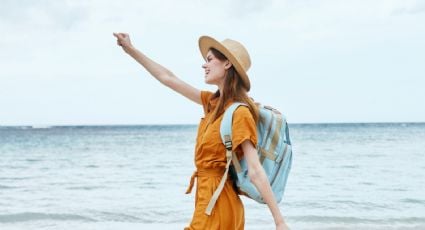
[[274, 150]]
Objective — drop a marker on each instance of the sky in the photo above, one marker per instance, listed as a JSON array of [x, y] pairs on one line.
[[317, 61]]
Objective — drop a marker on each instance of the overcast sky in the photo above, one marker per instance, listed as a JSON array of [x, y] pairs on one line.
[[315, 60]]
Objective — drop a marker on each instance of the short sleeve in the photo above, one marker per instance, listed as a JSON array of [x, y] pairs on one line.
[[205, 98], [243, 128]]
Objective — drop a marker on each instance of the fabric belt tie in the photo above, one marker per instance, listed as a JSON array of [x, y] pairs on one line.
[[192, 181], [213, 173], [204, 173]]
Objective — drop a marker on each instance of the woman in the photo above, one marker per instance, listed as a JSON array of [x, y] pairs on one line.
[[226, 65]]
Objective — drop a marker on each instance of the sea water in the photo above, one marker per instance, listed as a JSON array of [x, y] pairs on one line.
[[344, 176]]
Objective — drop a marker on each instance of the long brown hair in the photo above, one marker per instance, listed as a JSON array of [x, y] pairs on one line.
[[233, 90]]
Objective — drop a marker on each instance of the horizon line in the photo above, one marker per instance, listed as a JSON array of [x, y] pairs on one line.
[[188, 124]]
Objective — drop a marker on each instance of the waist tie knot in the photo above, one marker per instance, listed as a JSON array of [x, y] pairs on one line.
[[220, 172], [204, 173]]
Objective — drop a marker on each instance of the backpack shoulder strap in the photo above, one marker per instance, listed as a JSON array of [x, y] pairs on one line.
[[226, 136], [226, 132], [226, 123]]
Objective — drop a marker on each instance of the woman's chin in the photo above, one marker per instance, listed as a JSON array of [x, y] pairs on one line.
[[207, 81]]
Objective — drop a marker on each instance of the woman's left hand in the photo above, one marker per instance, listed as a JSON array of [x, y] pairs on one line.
[[123, 40]]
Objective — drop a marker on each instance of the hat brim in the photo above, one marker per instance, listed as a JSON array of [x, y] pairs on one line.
[[206, 43]]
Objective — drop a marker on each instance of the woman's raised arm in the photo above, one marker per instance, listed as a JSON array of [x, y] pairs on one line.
[[161, 73]]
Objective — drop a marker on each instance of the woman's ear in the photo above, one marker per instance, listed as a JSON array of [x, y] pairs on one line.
[[227, 65]]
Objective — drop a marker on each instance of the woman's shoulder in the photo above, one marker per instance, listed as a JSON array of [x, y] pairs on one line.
[[205, 99], [206, 95], [242, 112]]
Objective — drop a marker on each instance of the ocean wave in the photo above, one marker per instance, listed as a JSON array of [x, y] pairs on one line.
[[35, 216], [121, 217], [41, 127], [85, 187], [413, 201], [357, 220], [25, 127], [15, 178], [7, 187]]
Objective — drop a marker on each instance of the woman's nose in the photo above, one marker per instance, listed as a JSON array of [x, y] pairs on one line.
[[204, 65]]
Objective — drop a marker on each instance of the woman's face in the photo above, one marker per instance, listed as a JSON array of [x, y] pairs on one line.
[[215, 69]]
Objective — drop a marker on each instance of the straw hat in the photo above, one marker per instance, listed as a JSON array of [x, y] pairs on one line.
[[233, 50]]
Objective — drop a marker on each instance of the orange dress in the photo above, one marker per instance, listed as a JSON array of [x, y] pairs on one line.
[[210, 161]]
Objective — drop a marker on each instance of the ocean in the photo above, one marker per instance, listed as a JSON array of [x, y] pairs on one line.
[[344, 176]]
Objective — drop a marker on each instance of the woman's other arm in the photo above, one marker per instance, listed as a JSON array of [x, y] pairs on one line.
[[259, 178]]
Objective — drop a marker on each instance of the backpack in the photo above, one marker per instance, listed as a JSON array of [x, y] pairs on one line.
[[274, 150]]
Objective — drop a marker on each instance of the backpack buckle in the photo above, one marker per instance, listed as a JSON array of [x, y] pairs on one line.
[[228, 145]]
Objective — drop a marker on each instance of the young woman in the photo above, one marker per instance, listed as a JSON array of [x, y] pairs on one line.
[[226, 66]]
